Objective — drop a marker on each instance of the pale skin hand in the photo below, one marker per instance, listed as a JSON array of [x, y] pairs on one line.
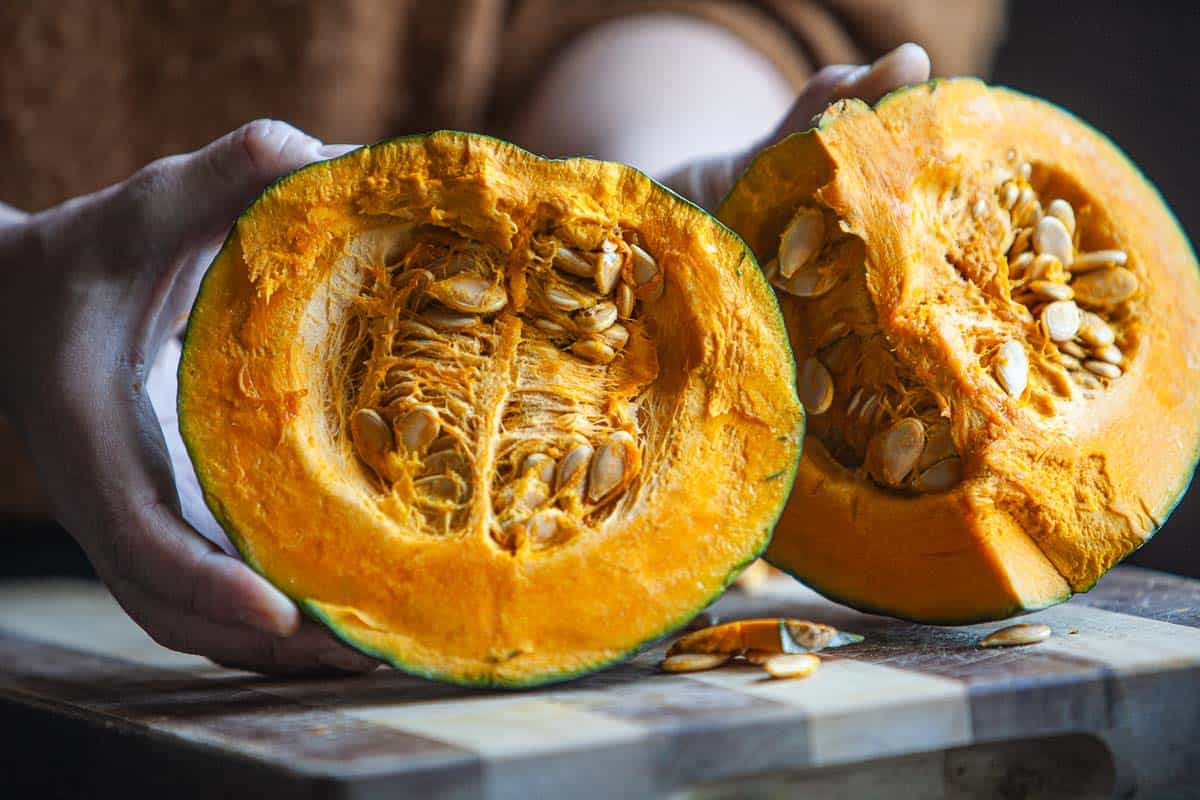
[[92, 289]]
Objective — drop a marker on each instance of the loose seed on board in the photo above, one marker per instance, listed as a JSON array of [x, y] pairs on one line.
[[791, 665], [1061, 319], [610, 466], [693, 662], [371, 434], [801, 241], [814, 384], [573, 263], [1062, 210], [1052, 290], [940, 477], [419, 427], [1102, 368], [1051, 237], [901, 446], [1099, 258], [1025, 633], [1012, 368], [1105, 288], [1110, 353]]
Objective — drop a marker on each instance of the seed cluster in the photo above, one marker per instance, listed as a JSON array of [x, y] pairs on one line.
[[1077, 297], [867, 408], [549, 452]]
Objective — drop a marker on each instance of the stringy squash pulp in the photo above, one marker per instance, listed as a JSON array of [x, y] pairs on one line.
[[494, 419], [997, 326]]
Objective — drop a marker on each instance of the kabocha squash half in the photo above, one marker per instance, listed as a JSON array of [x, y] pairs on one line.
[[997, 326], [494, 419]]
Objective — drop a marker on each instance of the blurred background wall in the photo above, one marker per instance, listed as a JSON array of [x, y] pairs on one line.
[[1132, 70]]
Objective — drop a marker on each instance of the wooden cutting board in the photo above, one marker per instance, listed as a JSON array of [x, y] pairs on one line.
[[1110, 704]]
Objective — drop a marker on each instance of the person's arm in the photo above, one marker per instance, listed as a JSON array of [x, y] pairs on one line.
[[684, 99], [89, 292]]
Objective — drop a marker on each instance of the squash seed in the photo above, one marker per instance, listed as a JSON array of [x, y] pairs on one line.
[[419, 427], [448, 461], [1025, 171], [1061, 319], [596, 318], [1051, 237], [616, 336], [625, 301], [791, 665], [645, 268], [1105, 288], [1046, 267], [940, 477], [1068, 361], [1094, 331], [469, 293], [438, 487], [1061, 210], [610, 466], [1102, 368], [939, 444], [1085, 262], [1073, 349], [371, 434], [539, 464], [1012, 368], [1011, 193], [1110, 353], [564, 299], [900, 449], [1051, 290], [693, 662], [801, 240], [444, 319], [549, 326], [573, 263], [1013, 635], [572, 467], [608, 271], [592, 350], [410, 327], [543, 527], [814, 384], [1020, 264], [758, 657]]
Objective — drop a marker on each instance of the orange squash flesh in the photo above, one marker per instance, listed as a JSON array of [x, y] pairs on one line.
[[1059, 483], [262, 409]]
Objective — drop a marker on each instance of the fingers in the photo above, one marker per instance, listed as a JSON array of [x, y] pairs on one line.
[[309, 650], [907, 64]]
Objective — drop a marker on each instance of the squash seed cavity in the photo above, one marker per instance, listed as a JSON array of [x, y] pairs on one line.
[[427, 418]]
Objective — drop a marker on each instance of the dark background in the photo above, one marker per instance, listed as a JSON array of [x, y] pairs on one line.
[[1130, 69]]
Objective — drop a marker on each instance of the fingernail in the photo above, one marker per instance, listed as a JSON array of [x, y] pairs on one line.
[[847, 83], [346, 660], [335, 150]]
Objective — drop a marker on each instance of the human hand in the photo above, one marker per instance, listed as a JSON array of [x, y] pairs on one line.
[[89, 293], [707, 181]]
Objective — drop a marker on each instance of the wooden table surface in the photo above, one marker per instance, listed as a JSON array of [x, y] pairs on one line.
[[1110, 705]]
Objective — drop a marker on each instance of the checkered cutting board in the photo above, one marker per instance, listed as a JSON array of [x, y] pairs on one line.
[[87, 700]]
